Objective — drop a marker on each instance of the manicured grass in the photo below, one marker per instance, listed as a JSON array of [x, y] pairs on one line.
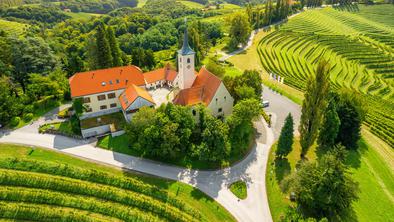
[[116, 118], [239, 189], [193, 199], [375, 178], [120, 144]]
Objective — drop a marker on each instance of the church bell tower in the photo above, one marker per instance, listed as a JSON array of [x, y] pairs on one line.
[[186, 63]]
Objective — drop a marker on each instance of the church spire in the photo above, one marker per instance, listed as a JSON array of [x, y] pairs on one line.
[[186, 50]]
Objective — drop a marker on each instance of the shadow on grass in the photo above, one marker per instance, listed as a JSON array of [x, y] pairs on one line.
[[282, 168]]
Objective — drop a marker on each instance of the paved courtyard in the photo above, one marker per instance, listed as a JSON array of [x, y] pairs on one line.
[[160, 95]]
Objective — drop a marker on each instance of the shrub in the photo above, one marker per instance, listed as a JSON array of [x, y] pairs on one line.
[[27, 117], [15, 121], [28, 109]]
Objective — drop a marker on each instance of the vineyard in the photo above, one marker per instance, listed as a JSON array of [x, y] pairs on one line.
[[32, 189], [358, 42]]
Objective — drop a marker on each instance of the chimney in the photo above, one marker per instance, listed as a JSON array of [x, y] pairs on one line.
[[121, 71], [127, 81], [92, 75]]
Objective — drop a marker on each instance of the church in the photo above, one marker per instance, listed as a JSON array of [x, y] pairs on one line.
[[126, 89]]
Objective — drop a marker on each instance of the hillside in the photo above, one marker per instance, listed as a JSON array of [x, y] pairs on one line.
[[63, 188], [358, 44]]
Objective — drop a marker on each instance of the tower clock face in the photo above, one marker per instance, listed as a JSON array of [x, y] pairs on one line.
[[188, 66]]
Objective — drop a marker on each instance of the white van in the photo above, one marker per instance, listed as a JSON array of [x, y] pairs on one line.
[[265, 103]]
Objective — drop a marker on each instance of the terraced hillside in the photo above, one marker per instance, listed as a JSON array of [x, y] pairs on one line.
[[359, 44], [37, 184]]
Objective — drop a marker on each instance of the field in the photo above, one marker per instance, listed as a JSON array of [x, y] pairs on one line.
[[370, 167], [191, 4], [15, 28], [357, 42], [37, 183]]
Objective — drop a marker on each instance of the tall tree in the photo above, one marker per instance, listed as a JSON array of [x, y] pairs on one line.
[[241, 125], [351, 115], [286, 137], [31, 55], [103, 53], [114, 46], [215, 145], [239, 30], [330, 126], [315, 102], [324, 188]]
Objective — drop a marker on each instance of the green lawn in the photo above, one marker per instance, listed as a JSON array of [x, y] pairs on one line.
[[120, 144], [199, 202], [239, 189], [369, 169]]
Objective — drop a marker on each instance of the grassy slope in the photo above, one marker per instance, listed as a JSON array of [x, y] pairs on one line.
[[369, 168], [204, 204], [193, 5], [13, 27]]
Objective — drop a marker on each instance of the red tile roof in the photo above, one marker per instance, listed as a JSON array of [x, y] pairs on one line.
[[104, 80], [131, 94], [202, 91], [165, 73]]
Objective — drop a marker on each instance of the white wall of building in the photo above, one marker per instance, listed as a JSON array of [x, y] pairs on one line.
[[95, 104], [222, 100], [186, 71]]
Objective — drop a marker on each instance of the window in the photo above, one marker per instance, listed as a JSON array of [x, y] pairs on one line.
[[103, 83], [188, 60], [194, 112], [220, 110], [216, 100], [117, 81], [180, 59], [88, 110], [113, 105], [103, 107], [111, 95], [86, 99], [110, 82], [225, 98], [101, 97]]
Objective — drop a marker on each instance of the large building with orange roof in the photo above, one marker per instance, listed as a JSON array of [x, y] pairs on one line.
[[127, 89]]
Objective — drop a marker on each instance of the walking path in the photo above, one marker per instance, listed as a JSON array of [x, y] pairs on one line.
[[213, 183], [250, 40]]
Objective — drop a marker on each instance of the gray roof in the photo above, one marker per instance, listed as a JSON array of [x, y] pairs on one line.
[[186, 50]]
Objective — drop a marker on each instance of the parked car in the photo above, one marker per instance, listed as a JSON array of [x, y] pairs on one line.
[[265, 103]]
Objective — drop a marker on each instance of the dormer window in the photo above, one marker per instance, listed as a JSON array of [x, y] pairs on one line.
[[103, 83], [110, 82], [117, 81]]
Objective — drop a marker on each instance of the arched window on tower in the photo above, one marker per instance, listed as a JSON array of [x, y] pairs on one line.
[[188, 60]]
